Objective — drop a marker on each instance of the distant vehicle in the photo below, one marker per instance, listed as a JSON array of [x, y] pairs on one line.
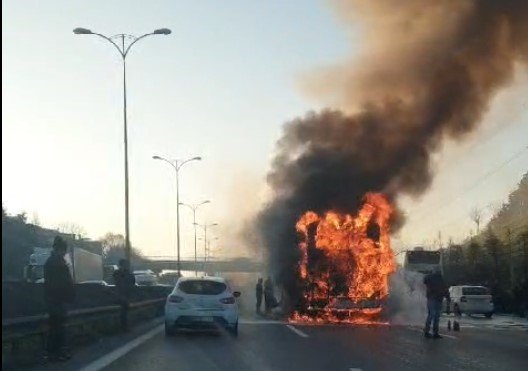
[[145, 278], [84, 265], [471, 300], [108, 272], [169, 277], [201, 302], [422, 261]]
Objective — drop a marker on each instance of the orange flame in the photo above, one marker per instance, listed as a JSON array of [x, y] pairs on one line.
[[349, 257]]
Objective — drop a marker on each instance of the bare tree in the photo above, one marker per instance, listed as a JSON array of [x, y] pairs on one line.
[[476, 217], [114, 249], [72, 228]]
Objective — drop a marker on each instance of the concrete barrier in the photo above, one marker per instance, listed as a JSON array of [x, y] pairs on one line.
[[24, 337]]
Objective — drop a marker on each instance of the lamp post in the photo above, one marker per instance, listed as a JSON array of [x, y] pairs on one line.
[[193, 209], [118, 41], [205, 226], [208, 250], [177, 165]]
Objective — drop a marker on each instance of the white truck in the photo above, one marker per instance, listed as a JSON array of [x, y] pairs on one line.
[[84, 265]]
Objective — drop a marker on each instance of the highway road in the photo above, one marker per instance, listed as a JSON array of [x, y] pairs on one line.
[[497, 344]]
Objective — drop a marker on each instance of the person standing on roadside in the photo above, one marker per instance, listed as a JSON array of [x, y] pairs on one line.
[[436, 291], [124, 282], [58, 291], [269, 299], [259, 291]]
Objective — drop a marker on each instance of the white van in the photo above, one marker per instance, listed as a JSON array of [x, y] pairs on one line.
[[471, 300]]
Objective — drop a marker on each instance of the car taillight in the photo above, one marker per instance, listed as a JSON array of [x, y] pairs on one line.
[[463, 299], [230, 300], [175, 299]]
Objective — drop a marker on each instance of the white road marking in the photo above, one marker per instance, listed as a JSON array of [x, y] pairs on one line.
[[105, 360], [354, 369], [297, 331]]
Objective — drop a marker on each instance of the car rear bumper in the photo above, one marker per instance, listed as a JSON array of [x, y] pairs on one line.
[[200, 319], [199, 322], [476, 308]]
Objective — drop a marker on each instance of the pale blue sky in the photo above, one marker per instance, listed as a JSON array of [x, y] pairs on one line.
[[220, 86]]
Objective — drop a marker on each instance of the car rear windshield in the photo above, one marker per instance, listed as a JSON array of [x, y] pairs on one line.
[[199, 287], [475, 291]]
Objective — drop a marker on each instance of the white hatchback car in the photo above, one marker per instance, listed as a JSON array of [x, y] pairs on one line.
[[201, 303]]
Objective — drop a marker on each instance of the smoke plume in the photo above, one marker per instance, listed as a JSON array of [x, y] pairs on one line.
[[427, 73]]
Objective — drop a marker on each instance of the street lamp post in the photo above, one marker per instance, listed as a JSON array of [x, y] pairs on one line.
[[194, 208], [177, 165], [205, 226], [208, 253], [123, 49], [208, 250]]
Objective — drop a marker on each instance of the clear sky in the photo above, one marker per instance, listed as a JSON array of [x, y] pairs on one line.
[[220, 87]]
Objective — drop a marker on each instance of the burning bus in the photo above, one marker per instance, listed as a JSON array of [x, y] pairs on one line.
[[345, 263]]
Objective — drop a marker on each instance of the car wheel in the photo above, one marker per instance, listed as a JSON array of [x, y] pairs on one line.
[[489, 315], [169, 330], [457, 311]]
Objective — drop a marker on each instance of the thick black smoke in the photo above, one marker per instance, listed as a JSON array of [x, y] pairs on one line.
[[429, 71]]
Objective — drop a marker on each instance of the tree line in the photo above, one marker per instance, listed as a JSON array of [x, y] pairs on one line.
[[496, 257]]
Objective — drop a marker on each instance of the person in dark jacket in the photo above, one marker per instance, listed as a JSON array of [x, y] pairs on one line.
[[58, 291], [124, 282], [436, 291], [259, 290], [269, 298]]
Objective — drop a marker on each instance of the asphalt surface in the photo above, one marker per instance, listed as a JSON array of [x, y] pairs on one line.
[[498, 344]]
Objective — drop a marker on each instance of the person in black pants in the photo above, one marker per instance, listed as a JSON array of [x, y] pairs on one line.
[[58, 290], [269, 298], [259, 291], [436, 291], [124, 281]]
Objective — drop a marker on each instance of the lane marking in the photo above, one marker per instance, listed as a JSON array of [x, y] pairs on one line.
[[297, 331], [354, 369], [114, 355]]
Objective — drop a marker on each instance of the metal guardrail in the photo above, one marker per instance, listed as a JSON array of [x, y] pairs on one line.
[[17, 329], [76, 313]]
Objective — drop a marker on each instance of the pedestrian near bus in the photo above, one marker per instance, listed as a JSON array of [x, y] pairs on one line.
[[436, 290], [259, 291], [124, 282], [58, 291], [269, 299]]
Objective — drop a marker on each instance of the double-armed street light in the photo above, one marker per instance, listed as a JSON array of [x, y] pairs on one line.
[[123, 43], [177, 165], [193, 209]]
